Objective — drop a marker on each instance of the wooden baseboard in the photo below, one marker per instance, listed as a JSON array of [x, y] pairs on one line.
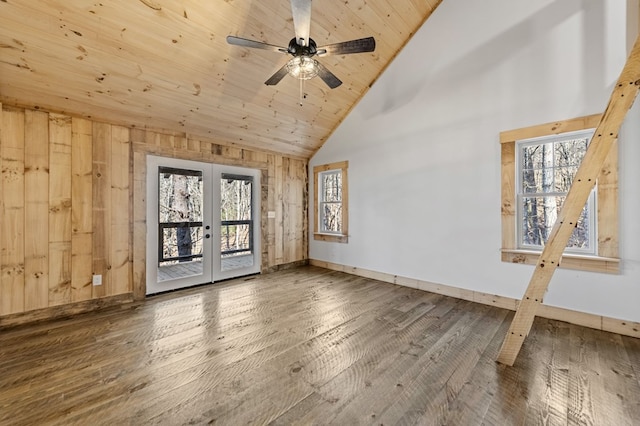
[[598, 322], [62, 311], [285, 266]]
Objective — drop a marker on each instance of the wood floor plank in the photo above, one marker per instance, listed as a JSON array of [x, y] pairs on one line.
[[339, 391], [387, 388], [613, 358], [311, 346], [474, 398], [192, 370], [442, 376], [552, 383], [586, 386], [632, 347]]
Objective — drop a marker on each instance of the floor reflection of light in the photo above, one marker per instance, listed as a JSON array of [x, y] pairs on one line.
[[177, 328]]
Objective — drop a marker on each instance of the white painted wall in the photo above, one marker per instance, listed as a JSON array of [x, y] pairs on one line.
[[424, 156]]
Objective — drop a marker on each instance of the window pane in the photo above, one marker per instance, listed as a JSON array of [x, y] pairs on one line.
[[180, 197], [181, 242], [570, 152], [564, 178], [537, 156], [331, 217], [180, 206], [539, 214], [537, 181], [537, 168], [235, 199], [235, 239], [331, 186]]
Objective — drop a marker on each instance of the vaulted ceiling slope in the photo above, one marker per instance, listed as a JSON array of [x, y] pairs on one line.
[[165, 64]]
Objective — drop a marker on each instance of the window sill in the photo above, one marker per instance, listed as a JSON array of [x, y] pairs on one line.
[[569, 261], [331, 238]]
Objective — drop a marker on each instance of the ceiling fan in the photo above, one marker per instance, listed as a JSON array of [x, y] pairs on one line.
[[303, 66]]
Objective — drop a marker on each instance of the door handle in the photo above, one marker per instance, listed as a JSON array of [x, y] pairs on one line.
[[207, 236], [207, 227]]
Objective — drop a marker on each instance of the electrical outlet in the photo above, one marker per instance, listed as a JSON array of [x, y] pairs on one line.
[[97, 280]]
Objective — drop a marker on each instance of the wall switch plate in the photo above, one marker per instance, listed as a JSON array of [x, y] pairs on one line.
[[271, 214], [97, 280]]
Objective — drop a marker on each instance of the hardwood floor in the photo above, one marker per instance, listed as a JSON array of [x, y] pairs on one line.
[[311, 346]]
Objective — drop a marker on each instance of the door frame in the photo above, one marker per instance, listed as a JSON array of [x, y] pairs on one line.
[[212, 268]]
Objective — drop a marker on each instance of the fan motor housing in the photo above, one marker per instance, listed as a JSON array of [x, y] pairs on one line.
[[298, 50]]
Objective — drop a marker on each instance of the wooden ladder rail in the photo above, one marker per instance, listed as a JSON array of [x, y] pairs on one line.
[[604, 137]]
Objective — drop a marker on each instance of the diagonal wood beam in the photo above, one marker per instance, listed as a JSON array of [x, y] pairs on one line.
[[603, 138]]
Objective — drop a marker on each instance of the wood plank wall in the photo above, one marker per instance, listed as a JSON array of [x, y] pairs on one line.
[[49, 214], [283, 216], [72, 204]]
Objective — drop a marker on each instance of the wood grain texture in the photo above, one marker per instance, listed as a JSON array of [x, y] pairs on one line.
[[120, 226], [63, 311], [311, 346], [102, 208], [607, 265], [82, 209], [139, 235], [603, 139], [12, 213], [508, 190], [283, 193], [598, 322], [59, 209], [166, 65], [47, 214], [555, 128], [36, 190], [607, 193]]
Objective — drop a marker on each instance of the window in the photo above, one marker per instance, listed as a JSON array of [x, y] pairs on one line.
[[545, 170], [538, 165], [330, 201]]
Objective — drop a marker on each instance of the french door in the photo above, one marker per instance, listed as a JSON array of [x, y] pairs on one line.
[[200, 223]]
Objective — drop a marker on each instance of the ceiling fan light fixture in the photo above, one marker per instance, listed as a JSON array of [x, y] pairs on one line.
[[302, 67]]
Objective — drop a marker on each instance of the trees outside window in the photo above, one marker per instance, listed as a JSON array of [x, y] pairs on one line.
[[330, 208], [180, 214], [236, 204], [546, 168]]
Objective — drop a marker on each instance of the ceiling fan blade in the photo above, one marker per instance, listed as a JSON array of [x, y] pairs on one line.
[[360, 45], [239, 41], [328, 77], [301, 11], [279, 75]]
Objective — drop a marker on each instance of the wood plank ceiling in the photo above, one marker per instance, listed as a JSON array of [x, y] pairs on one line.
[[165, 64]]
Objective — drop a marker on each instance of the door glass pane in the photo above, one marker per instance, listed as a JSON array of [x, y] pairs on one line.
[[180, 233], [236, 225]]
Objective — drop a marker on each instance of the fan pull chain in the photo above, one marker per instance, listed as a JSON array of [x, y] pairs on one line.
[[301, 91]]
